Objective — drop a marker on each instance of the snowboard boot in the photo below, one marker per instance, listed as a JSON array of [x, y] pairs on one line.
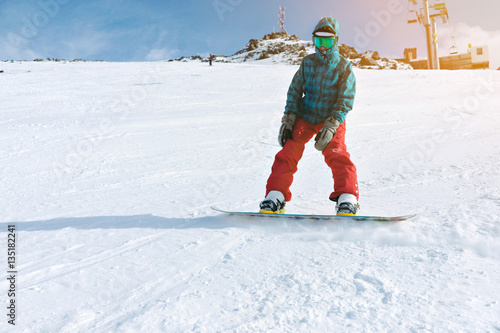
[[347, 209], [274, 203], [347, 205]]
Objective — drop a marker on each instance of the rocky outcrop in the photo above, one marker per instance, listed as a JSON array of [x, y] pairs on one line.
[[280, 47]]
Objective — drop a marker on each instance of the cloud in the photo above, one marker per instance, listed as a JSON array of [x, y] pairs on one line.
[[12, 47], [88, 44], [159, 51], [161, 54], [475, 35]]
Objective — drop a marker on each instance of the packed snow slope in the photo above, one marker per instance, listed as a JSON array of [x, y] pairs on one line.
[[108, 172]]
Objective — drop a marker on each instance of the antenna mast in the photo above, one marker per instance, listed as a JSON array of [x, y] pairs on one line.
[[281, 21]]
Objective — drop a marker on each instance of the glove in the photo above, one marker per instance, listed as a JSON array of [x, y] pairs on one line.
[[326, 134], [286, 128]]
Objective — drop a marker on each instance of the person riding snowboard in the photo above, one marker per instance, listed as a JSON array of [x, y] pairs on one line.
[[319, 98]]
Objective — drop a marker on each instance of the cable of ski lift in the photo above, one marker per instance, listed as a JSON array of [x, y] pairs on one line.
[[453, 49]]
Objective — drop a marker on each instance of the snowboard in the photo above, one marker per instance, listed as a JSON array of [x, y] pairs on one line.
[[320, 217]]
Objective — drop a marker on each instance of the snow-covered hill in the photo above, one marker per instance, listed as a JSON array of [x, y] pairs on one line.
[[282, 48], [108, 172]]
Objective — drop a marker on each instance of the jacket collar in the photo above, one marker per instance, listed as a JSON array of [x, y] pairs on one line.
[[331, 58]]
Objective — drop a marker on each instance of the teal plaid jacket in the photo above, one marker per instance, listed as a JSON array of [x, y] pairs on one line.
[[324, 85], [319, 90]]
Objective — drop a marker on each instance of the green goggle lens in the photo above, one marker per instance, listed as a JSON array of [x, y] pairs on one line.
[[327, 42]]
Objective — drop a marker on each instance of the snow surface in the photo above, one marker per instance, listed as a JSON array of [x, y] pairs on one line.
[[108, 171]]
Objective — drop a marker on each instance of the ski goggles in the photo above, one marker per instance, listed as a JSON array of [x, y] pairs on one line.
[[326, 42]]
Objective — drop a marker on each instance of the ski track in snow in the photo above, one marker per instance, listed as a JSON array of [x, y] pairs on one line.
[[108, 171]]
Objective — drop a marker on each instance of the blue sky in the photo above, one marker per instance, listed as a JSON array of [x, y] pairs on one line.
[[126, 30]]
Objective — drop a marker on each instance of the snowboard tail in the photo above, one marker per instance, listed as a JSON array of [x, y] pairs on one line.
[[320, 217]]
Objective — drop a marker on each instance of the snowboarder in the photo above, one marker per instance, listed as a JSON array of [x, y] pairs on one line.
[[210, 59], [319, 98]]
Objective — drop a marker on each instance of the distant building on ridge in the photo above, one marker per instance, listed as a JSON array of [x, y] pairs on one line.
[[477, 57]]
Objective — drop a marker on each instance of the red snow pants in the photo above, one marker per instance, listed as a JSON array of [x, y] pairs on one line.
[[345, 178]]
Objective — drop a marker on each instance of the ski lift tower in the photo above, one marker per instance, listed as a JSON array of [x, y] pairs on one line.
[[424, 19], [430, 24], [442, 12], [281, 21]]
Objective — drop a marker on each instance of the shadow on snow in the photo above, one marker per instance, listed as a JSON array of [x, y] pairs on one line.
[[123, 222], [156, 222]]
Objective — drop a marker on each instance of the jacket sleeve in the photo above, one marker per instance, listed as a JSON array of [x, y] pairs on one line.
[[346, 92], [295, 91]]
